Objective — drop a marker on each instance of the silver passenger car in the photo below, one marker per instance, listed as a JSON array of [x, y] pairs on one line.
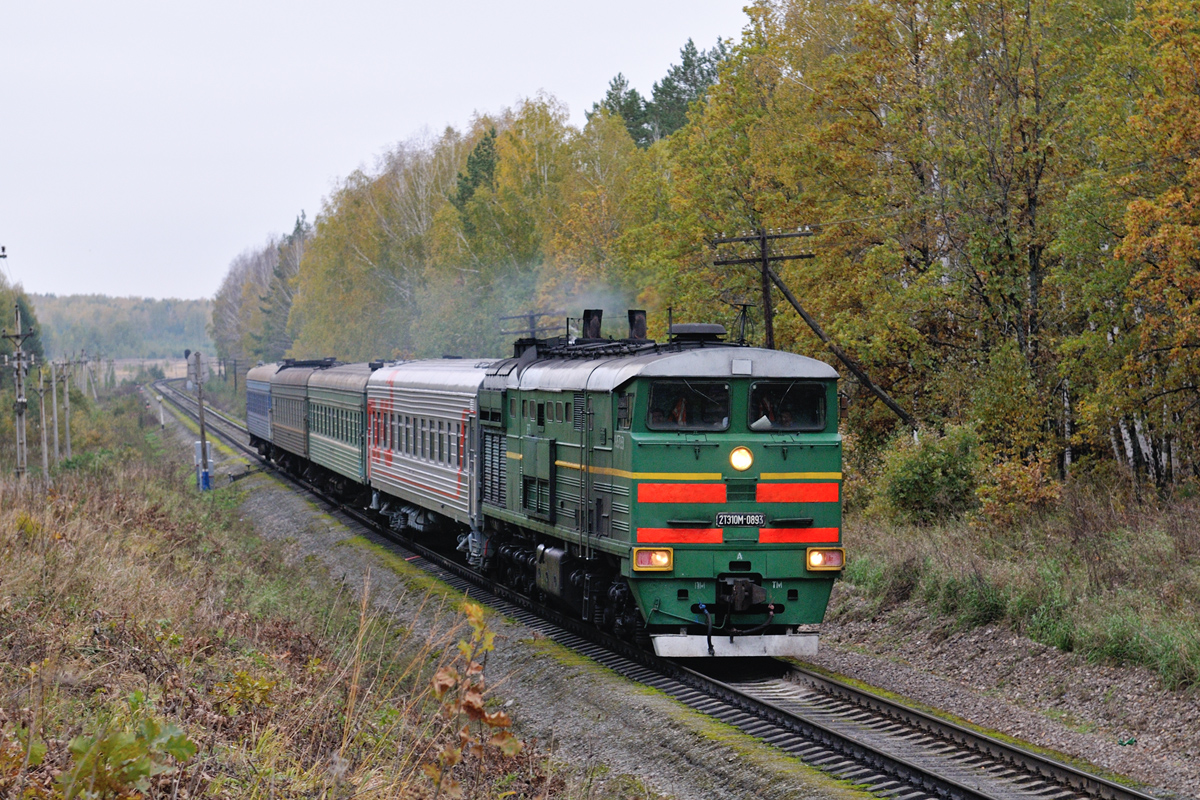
[[419, 430]]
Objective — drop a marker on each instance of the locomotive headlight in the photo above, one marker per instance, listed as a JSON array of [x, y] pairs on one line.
[[826, 558], [741, 458], [653, 559]]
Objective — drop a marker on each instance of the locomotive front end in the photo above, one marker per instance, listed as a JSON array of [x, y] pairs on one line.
[[735, 478]]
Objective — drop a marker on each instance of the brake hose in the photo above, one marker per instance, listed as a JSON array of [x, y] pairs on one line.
[[756, 629], [708, 634]]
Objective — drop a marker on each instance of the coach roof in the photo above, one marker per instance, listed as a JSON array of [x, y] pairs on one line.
[[437, 374], [262, 373], [346, 377]]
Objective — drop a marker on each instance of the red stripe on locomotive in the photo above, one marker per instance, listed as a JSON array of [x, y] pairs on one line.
[[797, 493], [797, 535], [681, 493], [680, 535]]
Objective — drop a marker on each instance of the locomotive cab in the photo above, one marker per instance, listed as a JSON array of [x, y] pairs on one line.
[[735, 520]]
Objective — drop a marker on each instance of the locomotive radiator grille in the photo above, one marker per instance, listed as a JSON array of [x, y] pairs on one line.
[[495, 468]]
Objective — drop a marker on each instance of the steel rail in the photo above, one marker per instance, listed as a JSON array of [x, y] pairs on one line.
[[974, 766], [1090, 784]]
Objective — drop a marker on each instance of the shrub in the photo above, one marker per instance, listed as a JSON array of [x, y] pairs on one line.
[[1010, 490], [931, 478]]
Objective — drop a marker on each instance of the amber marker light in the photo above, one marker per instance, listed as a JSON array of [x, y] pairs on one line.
[[826, 558], [653, 559], [741, 458]]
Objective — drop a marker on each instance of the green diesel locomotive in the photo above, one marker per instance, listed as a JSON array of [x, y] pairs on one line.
[[685, 494]]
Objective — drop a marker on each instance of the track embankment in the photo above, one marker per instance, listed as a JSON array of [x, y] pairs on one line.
[[611, 735]]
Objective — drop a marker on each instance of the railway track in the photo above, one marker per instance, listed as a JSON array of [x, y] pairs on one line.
[[881, 746]]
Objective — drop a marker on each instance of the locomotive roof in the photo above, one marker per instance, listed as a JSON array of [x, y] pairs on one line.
[[445, 374], [347, 377], [607, 374]]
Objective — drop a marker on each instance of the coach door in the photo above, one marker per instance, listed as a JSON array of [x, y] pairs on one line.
[[474, 486]]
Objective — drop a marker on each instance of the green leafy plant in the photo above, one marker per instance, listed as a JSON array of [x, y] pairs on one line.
[[244, 692], [119, 761]]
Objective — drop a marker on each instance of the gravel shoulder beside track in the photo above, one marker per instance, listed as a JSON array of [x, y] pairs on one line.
[[997, 679], [608, 736]]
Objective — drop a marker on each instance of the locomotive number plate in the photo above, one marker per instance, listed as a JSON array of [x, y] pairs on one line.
[[730, 520]]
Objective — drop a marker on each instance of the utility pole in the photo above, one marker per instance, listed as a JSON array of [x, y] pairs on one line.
[[763, 238], [21, 403], [54, 407], [769, 276], [41, 390], [67, 408]]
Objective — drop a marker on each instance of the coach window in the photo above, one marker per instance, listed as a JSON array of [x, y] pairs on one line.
[[541, 415]]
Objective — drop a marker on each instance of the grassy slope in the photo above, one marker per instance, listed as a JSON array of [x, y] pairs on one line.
[[1111, 578], [149, 638]]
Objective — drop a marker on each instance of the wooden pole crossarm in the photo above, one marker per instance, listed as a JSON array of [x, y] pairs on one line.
[[723, 262]]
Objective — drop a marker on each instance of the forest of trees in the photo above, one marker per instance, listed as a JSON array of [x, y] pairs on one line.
[[1003, 197], [121, 327]]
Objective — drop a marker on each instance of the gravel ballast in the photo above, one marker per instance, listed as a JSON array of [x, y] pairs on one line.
[[1118, 718]]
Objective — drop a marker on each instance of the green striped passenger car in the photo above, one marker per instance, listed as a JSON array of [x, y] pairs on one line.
[[337, 443]]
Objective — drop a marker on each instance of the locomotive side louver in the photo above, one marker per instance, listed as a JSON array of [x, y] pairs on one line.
[[577, 411]]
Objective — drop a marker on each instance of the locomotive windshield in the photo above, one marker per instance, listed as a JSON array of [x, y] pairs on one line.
[[787, 406], [688, 406]]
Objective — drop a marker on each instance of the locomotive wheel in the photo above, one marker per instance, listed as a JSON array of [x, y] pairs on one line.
[[641, 636]]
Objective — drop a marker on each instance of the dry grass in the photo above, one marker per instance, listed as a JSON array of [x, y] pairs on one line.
[[1112, 577], [151, 645]]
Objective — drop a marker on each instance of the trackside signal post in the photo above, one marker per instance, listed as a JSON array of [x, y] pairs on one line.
[[197, 367]]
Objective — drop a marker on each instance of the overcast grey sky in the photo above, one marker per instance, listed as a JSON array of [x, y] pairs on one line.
[[145, 144]]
